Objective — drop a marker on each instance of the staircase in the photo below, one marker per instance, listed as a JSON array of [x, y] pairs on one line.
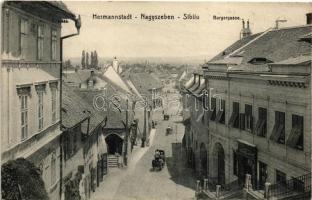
[[294, 188], [112, 161]]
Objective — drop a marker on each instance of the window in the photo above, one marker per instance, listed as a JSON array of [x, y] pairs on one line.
[[221, 113], [40, 108], [40, 42], [24, 116], [53, 44], [280, 177], [23, 37], [234, 120], [278, 133], [53, 168], [53, 96], [248, 118], [295, 139], [212, 109], [261, 126]]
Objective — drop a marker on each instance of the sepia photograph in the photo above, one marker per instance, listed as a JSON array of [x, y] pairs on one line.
[[155, 100]]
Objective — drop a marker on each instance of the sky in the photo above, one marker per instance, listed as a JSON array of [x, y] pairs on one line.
[[202, 38]]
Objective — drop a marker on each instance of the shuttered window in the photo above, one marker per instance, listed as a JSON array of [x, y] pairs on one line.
[[278, 132], [261, 125], [295, 139]]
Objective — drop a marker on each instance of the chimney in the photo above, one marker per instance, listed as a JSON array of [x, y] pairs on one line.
[[245, 30], [309, 18]]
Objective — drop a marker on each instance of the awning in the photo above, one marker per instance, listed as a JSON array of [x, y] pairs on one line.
[[189, 83], [201, 87]]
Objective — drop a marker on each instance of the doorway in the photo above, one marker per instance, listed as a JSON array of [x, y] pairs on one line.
[[114, 144]]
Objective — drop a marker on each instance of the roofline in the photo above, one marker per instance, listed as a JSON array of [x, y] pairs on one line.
[[292, 27], [69, 13]]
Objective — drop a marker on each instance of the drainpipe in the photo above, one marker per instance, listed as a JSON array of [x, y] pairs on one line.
[[78, 26]]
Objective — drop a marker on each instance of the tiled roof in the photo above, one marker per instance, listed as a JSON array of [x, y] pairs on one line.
[[73, 108], [97, 116], [117, 113], [144, 82], [274, 45], [233, 47], [296, 60], [77, 77]]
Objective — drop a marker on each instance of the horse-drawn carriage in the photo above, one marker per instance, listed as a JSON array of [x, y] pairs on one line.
[[159, 160]]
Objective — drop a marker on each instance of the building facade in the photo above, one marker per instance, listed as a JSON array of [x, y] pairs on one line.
[[262, 89], [30, 86], [195, 118]]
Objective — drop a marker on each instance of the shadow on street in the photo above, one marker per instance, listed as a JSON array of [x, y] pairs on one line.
[[177, 167]]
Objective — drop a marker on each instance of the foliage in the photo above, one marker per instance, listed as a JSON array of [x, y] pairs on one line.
[[89, 60], [21, 179]]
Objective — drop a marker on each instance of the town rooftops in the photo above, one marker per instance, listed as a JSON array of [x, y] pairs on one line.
[[269, 47], [145, 82]]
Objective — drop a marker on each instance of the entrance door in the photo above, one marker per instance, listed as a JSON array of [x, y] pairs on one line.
[[218, 164], [246, 166], [203, 159], [262, 174], [114, 144]]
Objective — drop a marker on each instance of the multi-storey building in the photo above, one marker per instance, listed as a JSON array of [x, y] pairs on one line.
[[262, 121], [30, 85], [196, 124]]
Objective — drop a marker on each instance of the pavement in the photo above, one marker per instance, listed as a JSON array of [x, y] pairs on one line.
[[137, 181]]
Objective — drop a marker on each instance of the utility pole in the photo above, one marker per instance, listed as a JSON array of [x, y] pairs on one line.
[[126, 138], [144, 131]]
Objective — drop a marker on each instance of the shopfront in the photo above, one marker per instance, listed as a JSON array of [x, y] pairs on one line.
[[247, 162]]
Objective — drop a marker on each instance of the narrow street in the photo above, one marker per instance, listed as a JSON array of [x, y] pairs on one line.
[[138, 181]]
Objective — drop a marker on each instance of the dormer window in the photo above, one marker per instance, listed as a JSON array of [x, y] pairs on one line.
[[259, 61]]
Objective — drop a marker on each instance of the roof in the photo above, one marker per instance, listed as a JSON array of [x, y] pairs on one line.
[[273, 45], [302, 59], [77, 77], [117, 109], [57, 8], [97, 115], [62, 7], [114, 78], [73, 108], [234, 46], [145, 82]]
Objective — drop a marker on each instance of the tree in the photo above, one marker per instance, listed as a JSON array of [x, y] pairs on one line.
[[92, 59], [96, 61], [87, 60], [21, 179], [83, 60]]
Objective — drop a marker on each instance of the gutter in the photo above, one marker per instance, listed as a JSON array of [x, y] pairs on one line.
[[78, 26]]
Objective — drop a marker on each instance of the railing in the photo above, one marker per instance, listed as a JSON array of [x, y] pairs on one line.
[[299, 184]]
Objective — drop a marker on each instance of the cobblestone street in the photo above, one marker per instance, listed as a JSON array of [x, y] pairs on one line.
[[138, 181]]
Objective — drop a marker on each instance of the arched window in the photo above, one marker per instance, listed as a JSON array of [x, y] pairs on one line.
[[53, 168]]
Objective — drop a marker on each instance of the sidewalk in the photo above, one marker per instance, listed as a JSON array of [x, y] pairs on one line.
[[108, 188]]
